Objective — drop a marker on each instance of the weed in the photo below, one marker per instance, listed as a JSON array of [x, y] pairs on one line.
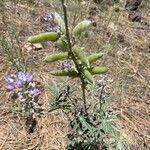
[[93, 124]]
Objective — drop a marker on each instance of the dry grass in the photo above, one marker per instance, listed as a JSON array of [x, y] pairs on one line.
[[127, 51]]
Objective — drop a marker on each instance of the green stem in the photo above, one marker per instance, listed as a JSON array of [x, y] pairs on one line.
[[79, 69]]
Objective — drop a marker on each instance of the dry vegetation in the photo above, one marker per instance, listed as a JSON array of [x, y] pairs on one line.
[[127, 48]]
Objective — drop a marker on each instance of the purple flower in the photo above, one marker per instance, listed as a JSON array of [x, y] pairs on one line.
[[18, 84], [25, 77], [53, 29], [9, 79], [64, 64], [29, 77], [35, 92], [48, 18], [10, 87], [56, 29], [22, 76]]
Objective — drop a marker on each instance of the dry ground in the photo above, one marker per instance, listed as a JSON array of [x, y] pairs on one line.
[[127, 48]]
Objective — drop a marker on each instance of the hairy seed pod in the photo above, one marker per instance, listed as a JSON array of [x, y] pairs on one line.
[[61, 44], [59, 21], [88, 75], [69, 73], [80, 54], [92, 58], [98, 70], [56, 57], [43, 37], [82, 27]]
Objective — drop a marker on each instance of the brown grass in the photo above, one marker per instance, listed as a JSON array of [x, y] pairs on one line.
[[127, 51]]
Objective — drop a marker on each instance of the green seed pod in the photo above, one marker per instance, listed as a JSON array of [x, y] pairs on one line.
[[92, 58], [61, 44], [69, 73], [82, 27], [43, 37], [56, 57], [98, 70], [60, 22], [80, 54], [88, 76]]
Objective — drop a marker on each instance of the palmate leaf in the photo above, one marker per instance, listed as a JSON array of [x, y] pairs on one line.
[[118, 146], [86, 124], [121, 145], [109, 127]]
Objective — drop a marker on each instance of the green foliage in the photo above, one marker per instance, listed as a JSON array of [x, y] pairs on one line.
[[109, 127], [90, 131]]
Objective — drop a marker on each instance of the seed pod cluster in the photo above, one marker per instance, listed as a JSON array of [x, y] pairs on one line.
[[43, 37], [56, 57], [85, 63]]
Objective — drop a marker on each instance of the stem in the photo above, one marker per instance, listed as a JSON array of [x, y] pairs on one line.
[[79, 69], [100, 98]]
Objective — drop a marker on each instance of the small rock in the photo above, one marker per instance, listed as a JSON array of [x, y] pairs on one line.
[[134, 17], [112, 26], [132, 5], [120, 38], [37, 46], [29, 47]]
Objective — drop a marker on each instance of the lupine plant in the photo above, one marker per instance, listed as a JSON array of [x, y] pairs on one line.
[[23, 88], [92, 123]]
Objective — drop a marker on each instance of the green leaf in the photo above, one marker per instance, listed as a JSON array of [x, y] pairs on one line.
[[121, 145], [109, 126]]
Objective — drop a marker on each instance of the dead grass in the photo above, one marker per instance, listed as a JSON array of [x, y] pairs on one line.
[[127, 51]]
